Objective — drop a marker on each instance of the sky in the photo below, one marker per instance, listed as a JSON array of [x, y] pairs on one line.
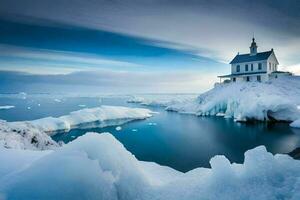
[[137, 46]]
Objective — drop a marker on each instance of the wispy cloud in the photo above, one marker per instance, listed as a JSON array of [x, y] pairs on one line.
[[31, 59]]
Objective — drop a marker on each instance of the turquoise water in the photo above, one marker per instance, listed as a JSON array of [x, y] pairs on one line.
[[183, 142]]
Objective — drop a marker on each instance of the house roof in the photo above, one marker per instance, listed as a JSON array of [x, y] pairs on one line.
[[241, 58]]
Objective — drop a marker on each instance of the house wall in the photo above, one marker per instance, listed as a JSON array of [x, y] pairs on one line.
[[263, 78], [272, 64], [243, 67]]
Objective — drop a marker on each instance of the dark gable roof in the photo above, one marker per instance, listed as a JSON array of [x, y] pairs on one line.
[[241, 58]]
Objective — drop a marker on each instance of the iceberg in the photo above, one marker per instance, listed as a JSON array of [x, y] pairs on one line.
[[97, 166], [35, 134], [243, 101]]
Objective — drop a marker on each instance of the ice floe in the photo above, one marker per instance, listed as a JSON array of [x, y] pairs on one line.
[[35, 134]]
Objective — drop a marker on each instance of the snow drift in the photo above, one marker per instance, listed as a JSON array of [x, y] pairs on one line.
[[35, 134], [274, 100], [97, 166]]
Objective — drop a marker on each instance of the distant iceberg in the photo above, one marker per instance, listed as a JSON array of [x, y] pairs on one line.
[[97, 166]]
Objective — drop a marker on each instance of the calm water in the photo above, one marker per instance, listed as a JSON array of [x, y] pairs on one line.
[[183, 142]]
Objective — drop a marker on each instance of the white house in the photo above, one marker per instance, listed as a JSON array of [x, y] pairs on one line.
[[254, 66]]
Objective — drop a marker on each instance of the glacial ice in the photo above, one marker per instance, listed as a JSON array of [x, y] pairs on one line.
[[97, 166]]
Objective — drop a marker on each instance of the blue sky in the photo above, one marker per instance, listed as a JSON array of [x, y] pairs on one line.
[[137, 46]]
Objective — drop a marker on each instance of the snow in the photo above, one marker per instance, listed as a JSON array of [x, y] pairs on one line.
[[160, 100], [277, 99], [23, 135], [97, 166], [35, 134], [6, 107]]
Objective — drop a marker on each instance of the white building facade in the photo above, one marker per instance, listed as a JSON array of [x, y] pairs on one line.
[[253, 66]]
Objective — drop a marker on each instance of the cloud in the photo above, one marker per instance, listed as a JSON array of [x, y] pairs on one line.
[[217, 29], [105, 81], [51, 61]]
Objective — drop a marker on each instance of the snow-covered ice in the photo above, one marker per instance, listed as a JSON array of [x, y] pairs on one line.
[[277, 100], [97, 166], [6, 107], [23, 135], [35, 134]]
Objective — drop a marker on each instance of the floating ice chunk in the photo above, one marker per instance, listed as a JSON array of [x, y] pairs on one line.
[[295, 124], [134, 130], [118, 128], [220, 114], [28, 108], [39, 104], [58, 100], [81, 105], [6, 107], [152, 124]]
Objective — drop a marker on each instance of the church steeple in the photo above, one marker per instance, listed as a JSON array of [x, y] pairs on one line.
[[253, 48]]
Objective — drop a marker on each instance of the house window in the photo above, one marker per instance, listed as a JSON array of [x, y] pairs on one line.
[[246, 67], [259, 66], [248, 78], [233, 79], [258, 78], [238, 68], [251, 67]]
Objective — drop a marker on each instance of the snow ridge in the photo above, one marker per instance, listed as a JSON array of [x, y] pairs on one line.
[[97, 166]]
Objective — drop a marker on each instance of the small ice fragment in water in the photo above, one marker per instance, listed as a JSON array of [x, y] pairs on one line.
[[73, 136], [82, 105], [134, 130], [118, 128], [57, 100], [28, 107], [39, 104], [220, 114], [6, 107], [152, 124]]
